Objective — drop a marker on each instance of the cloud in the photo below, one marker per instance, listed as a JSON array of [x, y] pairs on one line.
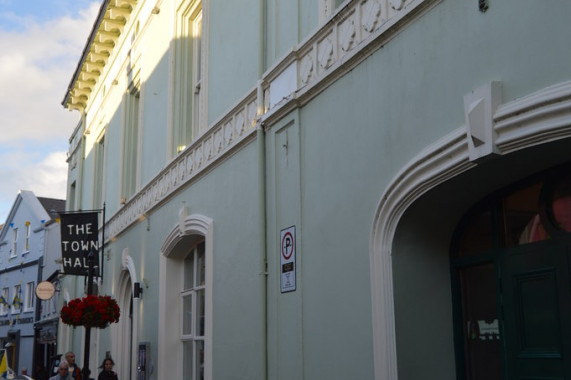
[[46, 177], [36, 66], [39, 55]]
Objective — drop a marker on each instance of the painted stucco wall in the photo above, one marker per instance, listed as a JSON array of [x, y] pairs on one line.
[[327, 165], [230, 186], [354, 138]]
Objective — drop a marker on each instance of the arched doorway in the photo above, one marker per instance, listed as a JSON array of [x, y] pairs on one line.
[[125, 333], [510, 270]]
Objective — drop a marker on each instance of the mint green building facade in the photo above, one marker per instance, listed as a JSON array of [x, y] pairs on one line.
[[209, 129]]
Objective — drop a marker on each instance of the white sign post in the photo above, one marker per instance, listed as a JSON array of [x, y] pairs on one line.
[[287, 259]]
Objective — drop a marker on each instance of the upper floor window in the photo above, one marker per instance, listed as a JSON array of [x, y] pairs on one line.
[[27, 239], [192, 299], [29, 300], [4, 301], [188, 120], [71, 196], [13, 252], [99, 173], [17, 300], [131, 142]]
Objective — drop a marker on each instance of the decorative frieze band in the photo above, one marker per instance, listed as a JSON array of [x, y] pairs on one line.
[[221, 139], [344, 40], [349, 36]]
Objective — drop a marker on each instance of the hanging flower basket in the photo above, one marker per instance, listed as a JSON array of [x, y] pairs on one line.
[[91, 311]]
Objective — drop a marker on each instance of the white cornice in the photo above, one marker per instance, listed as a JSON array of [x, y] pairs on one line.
[[104, 37], [350, 36], [347, 38]]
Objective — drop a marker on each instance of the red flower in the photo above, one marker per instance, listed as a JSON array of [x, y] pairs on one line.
[[91, 311]]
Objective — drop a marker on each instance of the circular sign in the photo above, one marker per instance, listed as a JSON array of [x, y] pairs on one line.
[[287, 245], [45, 290]]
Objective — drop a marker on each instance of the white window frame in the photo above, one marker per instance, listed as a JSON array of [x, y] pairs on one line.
[[187, 232], [99, 173], [5, 308], [29, 298], [27, 238], [14, 250], [131, 140], [194, 338], [189, 70], [17, 292]]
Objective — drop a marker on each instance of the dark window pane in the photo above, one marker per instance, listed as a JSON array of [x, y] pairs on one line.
[[522, 223], [480, 323], [561, 206], [476, 236]]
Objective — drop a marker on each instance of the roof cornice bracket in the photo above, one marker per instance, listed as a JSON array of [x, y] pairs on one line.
[[110, 24], [122, 3], [115, 12], [100, 47], [114, 34], [95, 57]]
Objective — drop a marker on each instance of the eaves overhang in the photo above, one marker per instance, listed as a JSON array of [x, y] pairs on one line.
[[107, 28]]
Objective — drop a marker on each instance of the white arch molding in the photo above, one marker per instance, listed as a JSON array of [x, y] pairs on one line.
[[538, 118], [124, 338], [189, 229]]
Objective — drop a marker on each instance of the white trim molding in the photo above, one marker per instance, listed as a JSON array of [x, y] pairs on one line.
[[226, 135], [349, 36], [539, 118], [187, 229]]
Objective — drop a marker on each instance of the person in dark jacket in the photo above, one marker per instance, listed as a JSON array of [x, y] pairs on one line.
[[107, 373]]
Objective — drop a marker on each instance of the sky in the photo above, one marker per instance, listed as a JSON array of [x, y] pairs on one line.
[[41, 42]]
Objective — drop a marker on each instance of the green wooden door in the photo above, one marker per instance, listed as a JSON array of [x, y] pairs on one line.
[[536, 295]]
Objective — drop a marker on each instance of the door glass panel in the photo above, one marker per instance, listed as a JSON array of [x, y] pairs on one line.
[[561, 207], [480, 322], [477, 235], [522, 223]]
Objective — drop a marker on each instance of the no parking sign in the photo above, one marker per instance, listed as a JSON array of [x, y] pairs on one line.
[[287, 259]]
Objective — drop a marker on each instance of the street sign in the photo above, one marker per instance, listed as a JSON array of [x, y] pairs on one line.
[[45, 290], [287, 259], [79, 237]]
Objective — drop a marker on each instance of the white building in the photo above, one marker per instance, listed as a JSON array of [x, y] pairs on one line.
[[392, 145]]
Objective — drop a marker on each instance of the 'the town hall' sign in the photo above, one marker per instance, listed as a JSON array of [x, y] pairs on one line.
[[79, 236]]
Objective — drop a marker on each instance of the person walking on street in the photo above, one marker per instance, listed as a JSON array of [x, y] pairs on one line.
[[74, 370], [62, 372], [107, 373]]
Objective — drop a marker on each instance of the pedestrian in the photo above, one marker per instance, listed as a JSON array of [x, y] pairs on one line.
[[62, 372], [74, 370], [107, 372]]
